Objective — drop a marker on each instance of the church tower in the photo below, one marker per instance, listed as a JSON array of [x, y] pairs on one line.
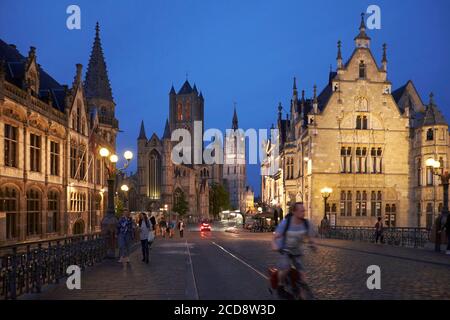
[[99, 94], [185, 108], [234, 173]]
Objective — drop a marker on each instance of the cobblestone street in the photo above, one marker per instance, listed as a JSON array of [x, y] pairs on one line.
[[234, 266]]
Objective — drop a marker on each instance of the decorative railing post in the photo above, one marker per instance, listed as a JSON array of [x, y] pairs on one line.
[[39, 269], [12, 278]]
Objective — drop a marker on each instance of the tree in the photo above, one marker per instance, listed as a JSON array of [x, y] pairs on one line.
[[219, 199], [181, 205]]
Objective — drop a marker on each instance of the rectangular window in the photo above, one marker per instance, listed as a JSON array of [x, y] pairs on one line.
[[349, 204], [10, 147], [54, 158], [52, 213], [35, 153], [73, 162], [82, 164], [98, 170]]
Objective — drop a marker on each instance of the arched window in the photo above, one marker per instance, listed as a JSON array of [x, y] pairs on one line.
[[358, 123], [53, 212], [9, 203], [430, 134], [362, 70], [179, 112], [154, 178], [78, 227], [33, 212], [188, 111]]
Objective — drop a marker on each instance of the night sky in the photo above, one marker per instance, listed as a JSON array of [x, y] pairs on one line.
[[246, 51]]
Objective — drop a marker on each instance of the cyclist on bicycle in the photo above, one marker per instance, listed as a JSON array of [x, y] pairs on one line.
[[289, 236]]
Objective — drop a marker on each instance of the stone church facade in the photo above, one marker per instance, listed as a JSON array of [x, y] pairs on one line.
[[161, 181], [367, 142], [52, 179]]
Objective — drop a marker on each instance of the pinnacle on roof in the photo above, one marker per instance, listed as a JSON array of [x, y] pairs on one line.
[[166, 134], [235, 119], [172, 90], [142, 135], [97, 82]]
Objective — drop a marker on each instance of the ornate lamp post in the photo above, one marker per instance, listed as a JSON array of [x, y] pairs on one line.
[[326, 193], [109, 222], [125, 189], [439, 222]]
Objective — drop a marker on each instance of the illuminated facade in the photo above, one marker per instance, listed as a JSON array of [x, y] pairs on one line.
[[367, 142], [51, 177]]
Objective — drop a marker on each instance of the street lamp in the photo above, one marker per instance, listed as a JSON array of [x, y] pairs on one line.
[[445, 177], [109, 222], [125, 189], [326, 193]]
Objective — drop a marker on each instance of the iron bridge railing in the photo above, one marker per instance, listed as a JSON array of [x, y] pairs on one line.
[[26, 267], [405, 237]]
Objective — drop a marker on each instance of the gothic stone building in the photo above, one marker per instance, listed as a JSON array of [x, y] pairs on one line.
[[51, 177], [366, 142], [163, 182], [234, 170]]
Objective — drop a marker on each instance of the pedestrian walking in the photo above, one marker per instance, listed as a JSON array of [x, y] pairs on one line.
[[171, 228], [379, 231], [447, 230], [125, 233], [181, 228], [153, 221], [163, 227], [144, 231]]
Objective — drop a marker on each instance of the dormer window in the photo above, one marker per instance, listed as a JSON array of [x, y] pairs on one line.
[[362, 70]]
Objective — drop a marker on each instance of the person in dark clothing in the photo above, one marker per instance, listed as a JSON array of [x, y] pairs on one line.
[[447, 229], [144, 230], [153, 222], [379, 231]]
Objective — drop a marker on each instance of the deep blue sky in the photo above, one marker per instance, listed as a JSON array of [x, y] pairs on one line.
[[234, 50]]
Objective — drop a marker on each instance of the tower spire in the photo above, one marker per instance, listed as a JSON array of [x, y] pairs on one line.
[[339, 55], [97, 82], [294, 88], [235, 125], [142, 135], [384, 60], [166, 134], [362, 40]]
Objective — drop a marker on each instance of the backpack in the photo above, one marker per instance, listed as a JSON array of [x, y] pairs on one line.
[[286, 228]]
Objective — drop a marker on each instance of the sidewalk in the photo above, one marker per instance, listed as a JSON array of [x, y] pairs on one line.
[[413, 254], [168, 276]]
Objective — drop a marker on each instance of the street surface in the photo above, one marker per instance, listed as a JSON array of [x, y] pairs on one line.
[[219, 265]]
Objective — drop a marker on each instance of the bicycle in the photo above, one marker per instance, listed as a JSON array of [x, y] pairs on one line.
[[295, 285]]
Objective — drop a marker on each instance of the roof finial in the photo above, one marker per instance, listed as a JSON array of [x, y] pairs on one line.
[[315, 93], [362, 39], [384, 52], [234, 123], [295, 84], [431, 99], [97, 29], [339, 45], [362, 26]]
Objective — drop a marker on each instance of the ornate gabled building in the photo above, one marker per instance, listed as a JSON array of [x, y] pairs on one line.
[[162, 181], [365, 141], [51, 177]]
